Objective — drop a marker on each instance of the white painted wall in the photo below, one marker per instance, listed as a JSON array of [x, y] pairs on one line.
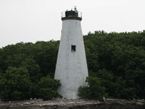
[[71, 67]]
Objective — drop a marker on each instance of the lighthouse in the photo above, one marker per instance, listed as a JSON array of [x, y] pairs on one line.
[[71, 67]]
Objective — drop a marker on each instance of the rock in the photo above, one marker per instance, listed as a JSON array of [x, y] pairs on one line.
[[71, 102], [103, 98], [18, 104], [26, 103], [32, 103], [138, 103]]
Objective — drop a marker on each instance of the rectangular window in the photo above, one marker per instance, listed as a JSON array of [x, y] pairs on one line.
[[73, 48]]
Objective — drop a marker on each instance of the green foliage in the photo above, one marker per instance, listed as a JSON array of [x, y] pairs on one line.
[[47, 93], [33, 68], [47, 87], [45, 56], [84, 92], [94, 90], [38, 59], [106, 79], [15, 84], [118, 59]]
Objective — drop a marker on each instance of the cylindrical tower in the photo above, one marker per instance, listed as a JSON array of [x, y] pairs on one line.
[[71, 67]]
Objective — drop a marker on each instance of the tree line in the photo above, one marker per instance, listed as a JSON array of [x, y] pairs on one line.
[[116, 64]]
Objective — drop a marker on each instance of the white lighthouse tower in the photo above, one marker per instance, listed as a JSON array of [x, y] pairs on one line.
[[71, 68]]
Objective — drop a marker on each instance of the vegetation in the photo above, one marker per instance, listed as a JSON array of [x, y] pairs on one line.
[[47, 87], [116, 63], [118, 59], [27, 71], [15, 84], [94, 90]]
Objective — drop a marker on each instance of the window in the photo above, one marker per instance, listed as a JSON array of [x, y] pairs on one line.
[[73, 48]]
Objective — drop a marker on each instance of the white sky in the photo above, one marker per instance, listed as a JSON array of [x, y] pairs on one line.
[[40, 20]]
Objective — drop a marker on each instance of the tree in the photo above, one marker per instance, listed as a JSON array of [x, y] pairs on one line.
[[33, 69], [47, 87], [15, 84]]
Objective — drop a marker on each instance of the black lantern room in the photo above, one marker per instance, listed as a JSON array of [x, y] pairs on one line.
[[71, 15]]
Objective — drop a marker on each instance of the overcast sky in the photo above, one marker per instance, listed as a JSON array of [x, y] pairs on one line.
[[40, 20]]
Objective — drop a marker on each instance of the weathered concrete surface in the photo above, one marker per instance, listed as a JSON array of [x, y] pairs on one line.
[[74, 104], [71, 66]]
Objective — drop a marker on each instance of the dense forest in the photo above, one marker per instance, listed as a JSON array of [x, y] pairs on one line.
[[116, 63]]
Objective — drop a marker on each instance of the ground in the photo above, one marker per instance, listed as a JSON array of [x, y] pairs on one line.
[[60, 102]]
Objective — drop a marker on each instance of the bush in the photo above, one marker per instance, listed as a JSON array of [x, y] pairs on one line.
[[15, 84], [47, 87], [47, 93], [94, 90]]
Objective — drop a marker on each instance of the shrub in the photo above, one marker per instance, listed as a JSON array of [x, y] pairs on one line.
[[94, 90], [47, 87], [15, 84], [47, 93]]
